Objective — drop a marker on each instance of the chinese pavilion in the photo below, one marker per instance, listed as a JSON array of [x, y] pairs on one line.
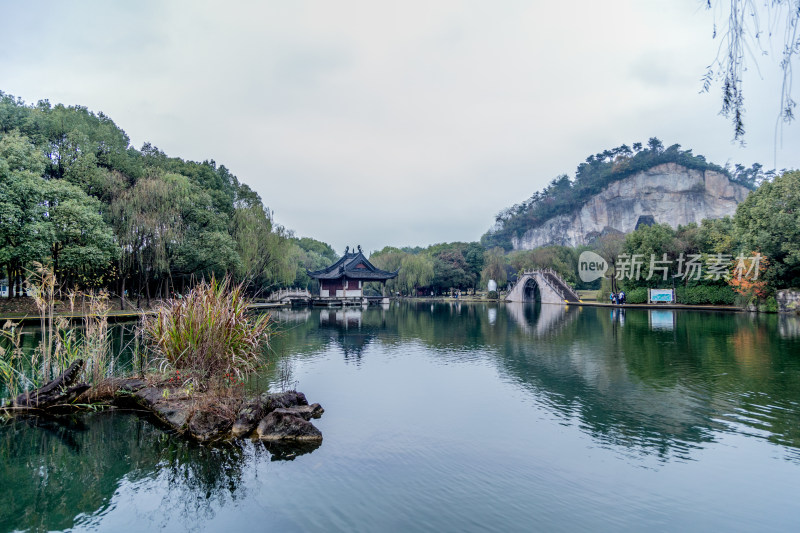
[[346, 277]]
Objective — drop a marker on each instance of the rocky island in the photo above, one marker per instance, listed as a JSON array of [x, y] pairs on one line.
[[282, 417]]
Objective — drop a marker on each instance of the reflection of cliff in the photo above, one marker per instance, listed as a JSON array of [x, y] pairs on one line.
[[662, 383], [661, 391], [585, 379], [60, 474]]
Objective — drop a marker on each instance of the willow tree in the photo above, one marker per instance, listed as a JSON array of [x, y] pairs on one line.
[[389, 258], [147, 220], [415, 271], [494, 266], [751, 28], [268, 258]]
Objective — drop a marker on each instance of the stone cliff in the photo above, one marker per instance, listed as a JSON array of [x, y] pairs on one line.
[[669, 193]]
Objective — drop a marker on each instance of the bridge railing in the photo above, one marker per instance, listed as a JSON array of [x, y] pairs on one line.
[[560, 286], [282, 294], [563, 288]]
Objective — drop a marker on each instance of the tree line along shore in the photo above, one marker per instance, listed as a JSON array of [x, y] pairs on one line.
[[144, 226]]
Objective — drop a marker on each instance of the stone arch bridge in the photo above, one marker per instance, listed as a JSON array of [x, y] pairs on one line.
[[544, 286]]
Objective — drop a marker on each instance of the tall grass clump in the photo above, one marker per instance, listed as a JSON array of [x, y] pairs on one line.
[[207, 335], [62, 342]]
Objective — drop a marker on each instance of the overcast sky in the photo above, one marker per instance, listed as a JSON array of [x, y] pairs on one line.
[[392, 123]]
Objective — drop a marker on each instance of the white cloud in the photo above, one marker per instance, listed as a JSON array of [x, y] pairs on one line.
[[403, 123]]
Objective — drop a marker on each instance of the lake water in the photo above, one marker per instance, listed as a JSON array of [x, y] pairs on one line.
[[460, 417]]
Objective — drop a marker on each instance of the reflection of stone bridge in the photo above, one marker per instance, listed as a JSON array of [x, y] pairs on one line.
[[544, 286], [540, 320]]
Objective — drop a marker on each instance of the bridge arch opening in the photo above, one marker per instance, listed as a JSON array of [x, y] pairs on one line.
[[531, 292]]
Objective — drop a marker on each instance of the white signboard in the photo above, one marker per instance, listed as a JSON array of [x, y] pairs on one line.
[[660, 296]]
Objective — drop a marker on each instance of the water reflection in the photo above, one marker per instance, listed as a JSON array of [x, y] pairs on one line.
[[789, 326], [492, 315], [666, 383], [662, 319], [570, 416], [344, 327], [657, 382], [64, 472], [540, 319]]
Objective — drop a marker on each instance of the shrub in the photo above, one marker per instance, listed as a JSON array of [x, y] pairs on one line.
[[706, 295], [207, 334], [492, 295], [636, 296], [770, 305]]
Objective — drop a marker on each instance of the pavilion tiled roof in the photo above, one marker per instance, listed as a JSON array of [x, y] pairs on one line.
[[347, 267]]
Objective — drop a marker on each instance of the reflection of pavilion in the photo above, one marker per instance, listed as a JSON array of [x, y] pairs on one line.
[[346, 318], [346, 330]]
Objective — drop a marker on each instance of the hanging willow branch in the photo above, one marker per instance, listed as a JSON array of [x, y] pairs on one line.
[[749, 26]]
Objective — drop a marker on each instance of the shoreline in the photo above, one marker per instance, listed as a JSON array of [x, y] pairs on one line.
[[121, 316], [589, 303], [112, 315]]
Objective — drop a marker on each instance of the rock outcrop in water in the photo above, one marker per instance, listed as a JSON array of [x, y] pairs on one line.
[[275, 417], [669, 193]]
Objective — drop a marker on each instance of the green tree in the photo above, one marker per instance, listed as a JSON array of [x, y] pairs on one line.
[[82, 245], [646, 244], [450, 271], [23, 231], [389, 258], [473, 255], [416, 271], [494, 267], [768, 221], [609, 247]]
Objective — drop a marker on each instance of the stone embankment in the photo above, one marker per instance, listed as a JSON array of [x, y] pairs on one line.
[[788, 301], [273, 417]]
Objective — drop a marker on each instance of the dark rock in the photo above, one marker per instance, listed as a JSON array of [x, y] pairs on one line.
[[274, 401], [287, 426], [148, 396], [130, 384], [248, 417], [175, 414], [170, 405], [209, 425], [306, 412], [255, 410]]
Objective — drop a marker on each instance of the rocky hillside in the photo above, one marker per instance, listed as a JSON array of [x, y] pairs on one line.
[[617, 189], [669, 193]]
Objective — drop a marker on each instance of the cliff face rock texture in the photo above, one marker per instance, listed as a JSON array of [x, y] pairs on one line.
[[670, 193]]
